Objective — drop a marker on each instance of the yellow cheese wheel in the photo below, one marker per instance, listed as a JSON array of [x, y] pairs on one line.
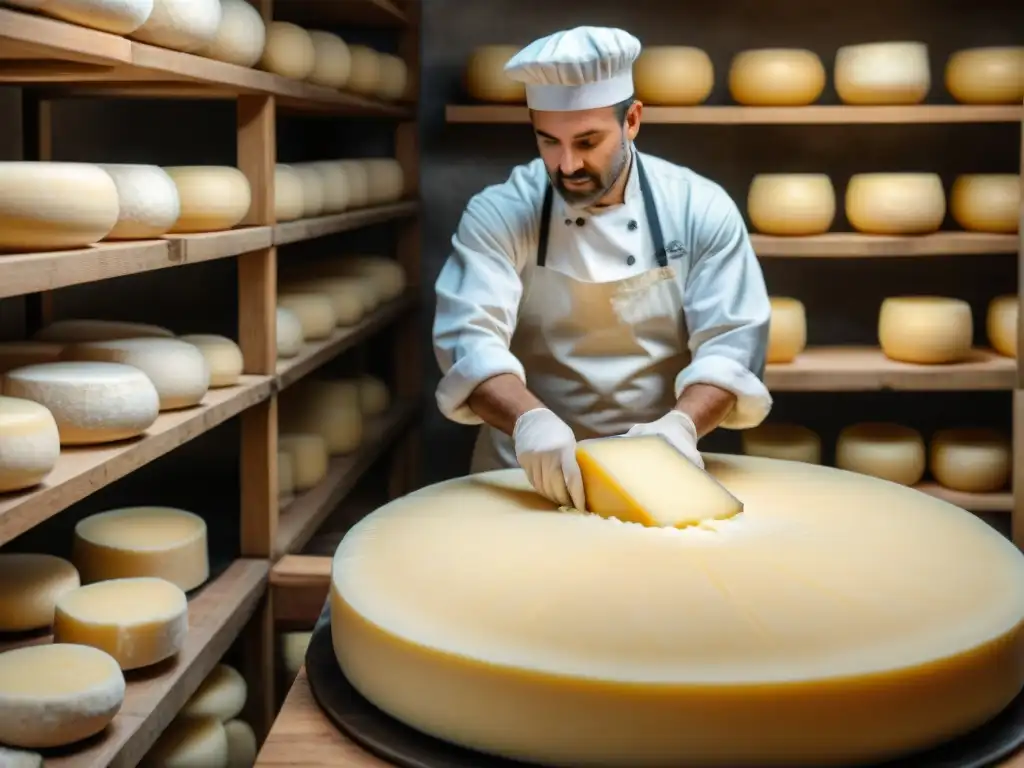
[[30, 584], [29, 444], [221, 695], [323, 408], [789, 442], [1001, 324], [314, 195], [676, 75], [987, 202], [364, 78], [891, 452], [289, 203], [289, 51], [925, 329], [191, 742], [213, 197], [791, 203], [787, 331], [970, 460], [394, 77], [385, 178], [309, 457], [374, 397], [241, 35], [223, 357], [729, 641], [332, 62], [331, 189], [485, 78], [883, 73], [347, 295], [315, 312], [992, 75], [895, 203], [776, 77], [358, 182]]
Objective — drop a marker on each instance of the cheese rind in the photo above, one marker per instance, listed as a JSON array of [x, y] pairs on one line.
[[119, 17], [213, 197], [30, 584], [891, 452], [883, 73], [72, 330], [895, 203], [315, 312], [991, 75], [327, 409], [347, 295], [148, 201], [289, 333], [364, 76], [485, 78], [776, 77], [374, 397], [293, 651], [190, 742], [242, 746], [332, 62], [241, 35], [787, 330], [1001, 324], [791, 203], [787, 442], [289, 203], [970, 460], [987, 202], [223, 357], [181, 25], [288, 51], [221, 695], [927, 330], [29, 443], [309, 456], [393, 79], [673, 75]]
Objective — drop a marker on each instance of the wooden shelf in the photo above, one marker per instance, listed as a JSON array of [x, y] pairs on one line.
[[853, 244], [863, 369], [307, 229], [972, 502], [363, 13], [82, 471], [736, 115], [299, 586], [217, 613]]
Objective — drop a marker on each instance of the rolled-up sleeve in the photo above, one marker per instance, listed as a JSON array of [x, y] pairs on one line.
[[727, 315], [478, 293]]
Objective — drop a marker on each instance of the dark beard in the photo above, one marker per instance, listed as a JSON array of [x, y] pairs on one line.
[[601, 184]]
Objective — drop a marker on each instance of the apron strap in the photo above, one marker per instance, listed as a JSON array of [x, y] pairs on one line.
[[545, 226]]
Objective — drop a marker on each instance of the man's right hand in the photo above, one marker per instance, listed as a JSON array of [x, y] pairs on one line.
[[546, 450]]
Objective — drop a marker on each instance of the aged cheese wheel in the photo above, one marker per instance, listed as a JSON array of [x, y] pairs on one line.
[[29, 445], [791, 203], [892, 452], [15, 354], [733, 638], [1001, 324], [374, 397], [364, 77], [895, 203], [333, 182], [242, 744], [787, 331], [289, 333], [314, 196], [485, 77], [285, 475], [387, 275], [394, 77], [213, 197], [346, 294], [327, 409], [30, 584], [358, 182], [289, 51], [332, 62], [182, 25], [315, 312], [288, 200], [119, 17], [222, 695], [240, 37], [970, 460], [293, 651], [50, 206], [74, 329], [148, 201], [309, 457], [789, 442], [883, 73], [776, 77], [386, 180], [987, 202], [191, 742], [673, 75], [993, 75], [925, 329], [223, 357]]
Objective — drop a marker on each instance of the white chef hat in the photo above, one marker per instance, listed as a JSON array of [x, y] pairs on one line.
[[581, 68]]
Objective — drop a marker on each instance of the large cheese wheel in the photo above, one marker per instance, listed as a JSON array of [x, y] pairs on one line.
[[240, 37], [50, 206], [676, 75], [393, 79], [191, 742], [309, 455], [288, 200], [364, 77], [288, 333], [993, 75], [213, 197], [358, 182], [970, 460], [242, 744], [925, 329], [84, 329], [791, 203], [883, 73], [223, 357], [347, 294], [148, 201], [118, 17], [15, 354], [776, 77], [892, 452], [789, 442], [787, 330], [57, 694], [730, 642], [315, 312], [332, 62], [485, 78], [183, 25], [221, 695], [314, 196], [333, 183], [1001, 324], [987, 202], [29, 587], [895, 203], [289, 51], [91, 402], [29, 444]]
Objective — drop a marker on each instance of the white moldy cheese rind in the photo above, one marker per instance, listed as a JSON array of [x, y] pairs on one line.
[[221, 695], [72, 330], [223, 357], [54, 695], [148, 199], [475, 612], [30, 584], [29, 443]]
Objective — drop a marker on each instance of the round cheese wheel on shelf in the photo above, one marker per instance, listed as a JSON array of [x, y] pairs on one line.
[[673, 75], [242, 746], [787, 204], [987, 202], [293, 651], [787, 331], [148, 200], [332, 62], [364, 77], [343, 394], [386, 180], [29, 445], [289, 203], [891, 452], [334, 182], [928, 330], [182, 25], [158, 542], [315, 312], [393, 79], [119, 17], [321, 409], [91, 402], [883, 73], [30, 584], [221, 695], [387, 275], [314, 196], [289, 333], [309, 457], [991, 75], [240, 37], [485, 78], [285, 474], [346, 294], [15, 354], [177, 369], [85, 329], [190, 741], [970, 460], [374, 397], [52, 206], [223, 357], [358, 182], [895, 203], [213, 197], [1001, 324], [289, 51], [57, 694], [788, 442], [776, 77]]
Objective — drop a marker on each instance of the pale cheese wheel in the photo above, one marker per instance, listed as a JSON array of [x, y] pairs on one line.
[[223, 357], [29, 444], [332, 62], [285, 474], [289, 334], [331, 393], [91, 402], [29, 587], [787, 330], [791, 204], [992, 75], [776, 77], [241, 35], [182, 25], [85, 329], [485, 77], [895, 203], [221, 695], [987, 202], [1001, 324], [293, 651], [213, 197], [57, 694], [288, 51], [883, 73], [148, 200], [387, 275], [242, 745], [52, 206], [394, 77], [358, 182], [673, 75], [190, 742], [315, 312], [315, 411], [309, 457], [119, 17], [927, 330], [374, 397], [20, 758], [177, 369], [289, 203], [130, 542], [385, 179], [970, 460], [891, 452], [787, 442], [15, 354], [364, 76], [313, 192], [333, 182], [347, 294]]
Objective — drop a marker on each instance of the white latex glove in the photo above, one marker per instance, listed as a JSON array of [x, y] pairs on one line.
[[678, 429], [546, 450]]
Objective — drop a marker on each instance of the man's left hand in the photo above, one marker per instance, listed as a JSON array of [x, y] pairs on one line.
[[678, 429]]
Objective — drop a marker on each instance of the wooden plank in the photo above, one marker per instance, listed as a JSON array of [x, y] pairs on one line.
[[972, 502], [320, 226], [299, 584], [853, 244], [28, 36]]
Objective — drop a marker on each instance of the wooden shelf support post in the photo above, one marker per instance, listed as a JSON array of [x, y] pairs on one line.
[[1017, 475]]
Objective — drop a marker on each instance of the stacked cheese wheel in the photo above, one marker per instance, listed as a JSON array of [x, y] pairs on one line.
[[927, 330], [324, 187]]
